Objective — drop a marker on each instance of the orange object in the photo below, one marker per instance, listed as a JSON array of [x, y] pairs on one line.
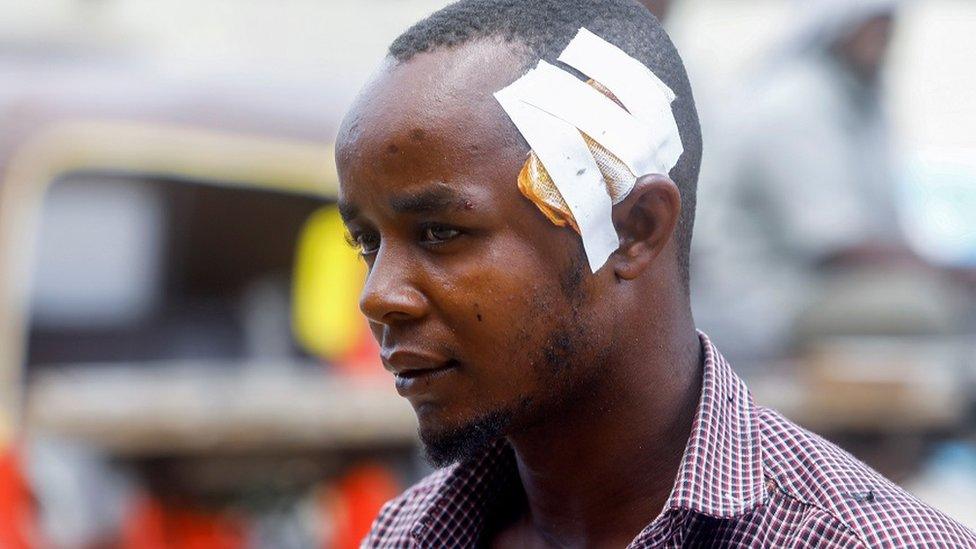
[[152, 525], [359, 496], [18, 515], [537, 185]]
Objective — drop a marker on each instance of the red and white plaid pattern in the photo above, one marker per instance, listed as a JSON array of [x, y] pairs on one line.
[[748, 478]]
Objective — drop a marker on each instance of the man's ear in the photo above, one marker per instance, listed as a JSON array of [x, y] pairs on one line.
[[645, 223]]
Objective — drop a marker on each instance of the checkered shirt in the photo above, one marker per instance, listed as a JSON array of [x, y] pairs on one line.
[[748, 478]]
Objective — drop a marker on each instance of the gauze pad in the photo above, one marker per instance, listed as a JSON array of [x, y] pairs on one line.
[[597, 138]]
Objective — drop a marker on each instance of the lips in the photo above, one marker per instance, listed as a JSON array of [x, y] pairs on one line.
[[405, 361], [416, 372]]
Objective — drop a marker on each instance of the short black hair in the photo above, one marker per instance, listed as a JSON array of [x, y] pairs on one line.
[[544, 28]]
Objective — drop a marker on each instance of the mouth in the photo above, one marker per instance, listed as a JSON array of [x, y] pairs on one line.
[[415, 382]]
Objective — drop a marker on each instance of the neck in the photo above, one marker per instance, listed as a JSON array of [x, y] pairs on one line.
[[605, 469]]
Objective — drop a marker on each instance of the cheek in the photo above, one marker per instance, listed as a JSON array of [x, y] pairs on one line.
[[500, 311]]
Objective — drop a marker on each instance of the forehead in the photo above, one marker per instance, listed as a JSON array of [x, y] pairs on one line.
[[433, 116]]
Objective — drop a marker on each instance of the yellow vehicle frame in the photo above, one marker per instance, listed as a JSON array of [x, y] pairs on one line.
[[141, 148]]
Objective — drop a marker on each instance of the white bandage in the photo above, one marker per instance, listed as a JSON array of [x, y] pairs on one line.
[[566, 97], [640, 90], [551, 108], [558, 144]]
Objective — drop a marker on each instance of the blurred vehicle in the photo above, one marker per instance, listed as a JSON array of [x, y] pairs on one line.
[[182, 360]]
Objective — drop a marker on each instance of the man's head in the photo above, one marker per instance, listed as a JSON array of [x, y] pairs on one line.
[[865, 47], [485, 310], [659, 8], [857, 33]]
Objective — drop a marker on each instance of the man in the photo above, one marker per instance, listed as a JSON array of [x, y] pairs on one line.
[[802, 181], [571, 402], [660, 8]]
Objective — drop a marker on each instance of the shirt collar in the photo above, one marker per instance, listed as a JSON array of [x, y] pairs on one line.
[[459, 511], [720, 474]]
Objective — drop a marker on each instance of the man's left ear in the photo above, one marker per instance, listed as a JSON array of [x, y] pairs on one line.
[[645, 223]]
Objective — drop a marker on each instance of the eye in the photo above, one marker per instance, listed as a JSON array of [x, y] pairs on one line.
[[367, 243], [436, 234]]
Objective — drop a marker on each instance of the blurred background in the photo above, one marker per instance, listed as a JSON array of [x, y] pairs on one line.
[[182, 361]]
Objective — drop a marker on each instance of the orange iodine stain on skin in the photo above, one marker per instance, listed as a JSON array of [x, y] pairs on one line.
[[537, 185]]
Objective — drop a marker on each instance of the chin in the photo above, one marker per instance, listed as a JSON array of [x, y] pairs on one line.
[[435, 417], [446, 445]]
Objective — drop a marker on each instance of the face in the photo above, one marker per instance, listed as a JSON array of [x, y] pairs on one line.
[[485, 312], [867, 46], [659, 8]]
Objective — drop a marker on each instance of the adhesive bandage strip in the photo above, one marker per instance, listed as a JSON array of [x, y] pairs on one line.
[[554, 111], [560, 145], [593, 113], [636, 86]]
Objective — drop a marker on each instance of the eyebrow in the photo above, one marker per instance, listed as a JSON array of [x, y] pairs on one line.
[[435, 200], [428, 201]]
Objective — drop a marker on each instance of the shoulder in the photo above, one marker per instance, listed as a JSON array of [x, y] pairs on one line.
[[844, 490], [397, 519]]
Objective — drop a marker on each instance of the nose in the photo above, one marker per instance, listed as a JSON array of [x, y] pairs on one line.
[[389, 296]]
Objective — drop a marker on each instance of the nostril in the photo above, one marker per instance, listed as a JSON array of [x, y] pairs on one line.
[[397, 316]]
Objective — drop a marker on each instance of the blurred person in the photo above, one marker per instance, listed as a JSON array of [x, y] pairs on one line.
[[660, 8], [802, 180], [567, 407]]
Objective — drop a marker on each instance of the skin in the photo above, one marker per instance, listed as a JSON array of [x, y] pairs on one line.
[[596, 374], [659, 8], [866, 47]]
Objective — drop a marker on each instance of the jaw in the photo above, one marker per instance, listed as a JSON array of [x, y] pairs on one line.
[[443, 447]]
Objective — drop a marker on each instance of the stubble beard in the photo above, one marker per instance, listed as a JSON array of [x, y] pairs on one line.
[[556, 370], [563, 368]]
